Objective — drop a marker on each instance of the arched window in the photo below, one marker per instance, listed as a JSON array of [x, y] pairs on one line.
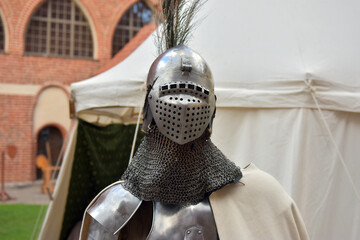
[[59, 28], [137, 16], [2, 36]]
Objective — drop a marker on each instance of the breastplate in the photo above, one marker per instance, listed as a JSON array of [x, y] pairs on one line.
[[117, 214], [194, 222]]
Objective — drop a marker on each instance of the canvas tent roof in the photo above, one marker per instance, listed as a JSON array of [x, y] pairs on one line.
[[275, 65], [255, 49]]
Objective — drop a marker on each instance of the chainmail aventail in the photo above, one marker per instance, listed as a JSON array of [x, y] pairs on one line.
[[165, 171]]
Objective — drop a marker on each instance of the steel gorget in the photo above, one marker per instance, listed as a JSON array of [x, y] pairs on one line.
[[165, 171]]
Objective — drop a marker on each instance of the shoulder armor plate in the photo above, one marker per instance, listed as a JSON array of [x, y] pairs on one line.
[[114, 207]]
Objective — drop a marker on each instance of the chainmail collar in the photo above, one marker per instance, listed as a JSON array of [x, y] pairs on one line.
[[165, 171]]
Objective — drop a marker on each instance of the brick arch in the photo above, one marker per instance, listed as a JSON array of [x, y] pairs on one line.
[[49, 85], [51, 124], [120, 12], [5, 27], [35, 146], [35, 134], [24, 20], [29, 10]]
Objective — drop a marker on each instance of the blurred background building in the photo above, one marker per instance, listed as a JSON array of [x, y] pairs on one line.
[[45, 45]]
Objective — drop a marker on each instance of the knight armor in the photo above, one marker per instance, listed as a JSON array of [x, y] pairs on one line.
[[179, 185], [181, 95], [117, 214], [166, 186]]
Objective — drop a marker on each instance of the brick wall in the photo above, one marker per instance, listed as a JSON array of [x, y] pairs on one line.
[[15, 128], [16, 68]]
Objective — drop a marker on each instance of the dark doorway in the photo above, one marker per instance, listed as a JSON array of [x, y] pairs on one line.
[[49, 143]]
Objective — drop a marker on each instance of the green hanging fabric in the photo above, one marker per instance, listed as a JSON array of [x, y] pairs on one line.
[[101, 157]]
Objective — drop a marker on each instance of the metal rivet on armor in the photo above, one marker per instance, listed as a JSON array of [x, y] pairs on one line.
[[199, 232], [188, 231]]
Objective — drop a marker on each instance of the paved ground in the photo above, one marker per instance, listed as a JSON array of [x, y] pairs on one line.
[[29, 193]]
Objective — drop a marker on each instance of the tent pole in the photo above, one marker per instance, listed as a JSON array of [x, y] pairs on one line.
[[135, 135]]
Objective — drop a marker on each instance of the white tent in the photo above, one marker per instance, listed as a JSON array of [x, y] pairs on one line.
[[287, 81]]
